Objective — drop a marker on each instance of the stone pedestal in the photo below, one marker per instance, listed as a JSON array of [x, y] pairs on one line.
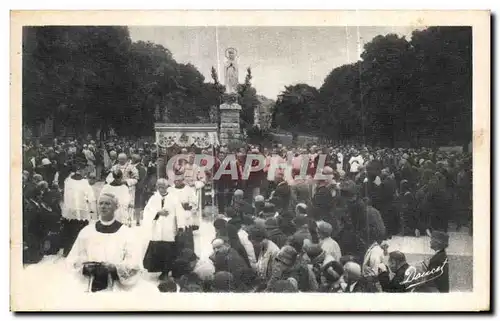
[[229, 122]]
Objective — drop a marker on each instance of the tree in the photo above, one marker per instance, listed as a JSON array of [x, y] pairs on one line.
[[297, 108], [444, 82], [417, 91], [341, 116], [70, 72], [385, 75], [90, 78], [247, 98]]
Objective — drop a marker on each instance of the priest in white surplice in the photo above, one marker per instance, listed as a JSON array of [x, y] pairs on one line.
[[187, 197], [164, 219], [105, 253], [130, 175], [118, 188], [195, 177], [78, 208]]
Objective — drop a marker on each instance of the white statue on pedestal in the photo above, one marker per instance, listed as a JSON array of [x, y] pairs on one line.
[[256, 117], [231, 71]]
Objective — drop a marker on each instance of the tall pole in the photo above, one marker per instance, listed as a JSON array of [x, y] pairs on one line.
[[359, 47], [362, 111], [218, 54], [347, 44]]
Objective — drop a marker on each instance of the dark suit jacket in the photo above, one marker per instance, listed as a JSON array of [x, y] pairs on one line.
[[140, 186], [277, 237], [233, 263], [394, 285], [243, 208], [442, 283], [323, 204], [281, 197]]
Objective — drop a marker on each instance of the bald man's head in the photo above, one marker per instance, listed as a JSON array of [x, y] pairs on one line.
[[327, 170], [326, 176], [122, 158], [37, 178], [353, 271], [238, 194], [219, 245], [136, 158]]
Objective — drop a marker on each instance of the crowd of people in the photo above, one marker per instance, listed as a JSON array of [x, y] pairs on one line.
[[273, 233]]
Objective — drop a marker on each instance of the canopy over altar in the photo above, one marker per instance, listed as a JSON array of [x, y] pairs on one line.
[[186, 135], [170, 136]]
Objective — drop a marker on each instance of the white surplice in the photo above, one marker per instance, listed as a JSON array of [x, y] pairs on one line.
[[164, 228], [79, 200], [188, 195], [194, 177], [130, 175], [119, 248]]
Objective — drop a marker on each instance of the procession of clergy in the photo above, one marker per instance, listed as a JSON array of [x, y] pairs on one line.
[[258, 246]]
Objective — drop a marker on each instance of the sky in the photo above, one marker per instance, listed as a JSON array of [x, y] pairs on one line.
[[278, 56]]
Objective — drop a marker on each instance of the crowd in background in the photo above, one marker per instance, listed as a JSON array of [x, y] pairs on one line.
[[273, 232]]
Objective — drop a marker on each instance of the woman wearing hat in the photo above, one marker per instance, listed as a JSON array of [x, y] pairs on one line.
[[267, 250], [287, 266], [331, 277], [47, 170]]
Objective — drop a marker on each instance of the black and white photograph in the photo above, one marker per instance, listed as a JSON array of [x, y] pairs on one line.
[[280, 160]]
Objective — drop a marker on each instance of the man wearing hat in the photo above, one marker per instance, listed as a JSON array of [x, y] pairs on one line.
[[439, 262], [303, 232], [323, 200], [275, 234], [281, 194], [47, 170], [328, 244], [268, 212]]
